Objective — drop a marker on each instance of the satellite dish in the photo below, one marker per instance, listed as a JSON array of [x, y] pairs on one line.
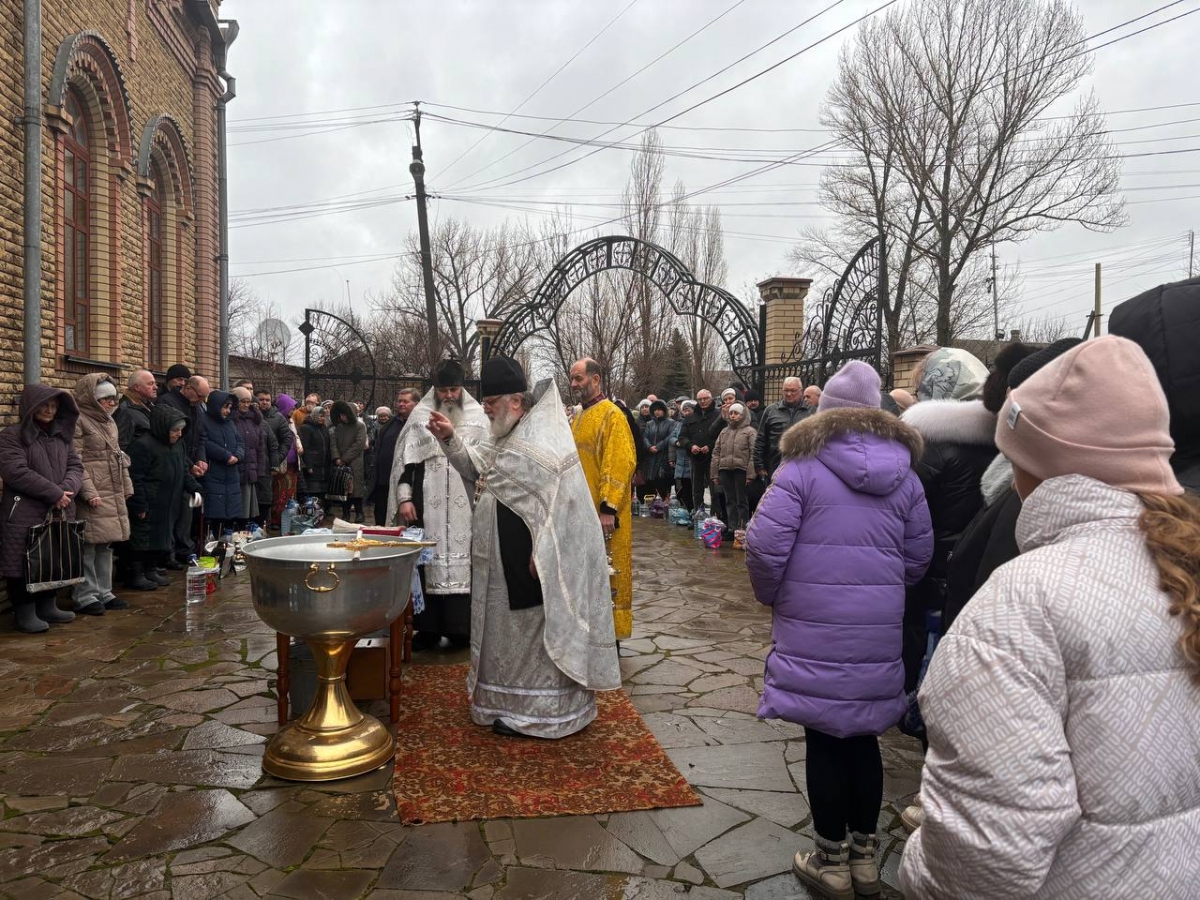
[[274, 334]]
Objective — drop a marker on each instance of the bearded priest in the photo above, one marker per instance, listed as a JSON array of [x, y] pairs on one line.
[[426, 491], [542, 638], [609, 459]]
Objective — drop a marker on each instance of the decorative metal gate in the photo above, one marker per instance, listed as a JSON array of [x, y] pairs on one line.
[[717, 307], [849, 325], [345, 365]]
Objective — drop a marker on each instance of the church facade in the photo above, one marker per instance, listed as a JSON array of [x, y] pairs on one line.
[[129, 188]]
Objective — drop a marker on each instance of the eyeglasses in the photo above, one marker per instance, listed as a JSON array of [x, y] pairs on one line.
[[493, 401]]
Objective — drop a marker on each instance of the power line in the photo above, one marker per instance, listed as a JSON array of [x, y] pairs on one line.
[[675, 96], [615, 87], [555, 74]]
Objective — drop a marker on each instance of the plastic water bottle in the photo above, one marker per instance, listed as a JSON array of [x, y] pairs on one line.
[[698, 521], [285, 517]]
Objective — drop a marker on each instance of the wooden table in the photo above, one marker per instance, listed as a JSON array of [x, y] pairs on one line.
[[399, 650]]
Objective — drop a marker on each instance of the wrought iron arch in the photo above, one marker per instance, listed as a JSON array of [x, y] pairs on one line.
[[687, 296], [848, 325], [341, 361]]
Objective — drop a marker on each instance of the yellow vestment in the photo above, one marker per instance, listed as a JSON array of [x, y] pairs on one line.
[[609, 459]]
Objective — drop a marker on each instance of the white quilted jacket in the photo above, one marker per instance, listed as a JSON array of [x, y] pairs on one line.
[[1064, 726]]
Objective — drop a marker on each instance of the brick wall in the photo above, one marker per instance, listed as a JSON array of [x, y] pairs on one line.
[[164, 59], [784, 298]]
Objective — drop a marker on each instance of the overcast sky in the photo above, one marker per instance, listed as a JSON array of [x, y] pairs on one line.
[[320, 117]]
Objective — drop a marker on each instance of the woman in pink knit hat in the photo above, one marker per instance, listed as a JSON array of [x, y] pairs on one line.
[[1063, 705]]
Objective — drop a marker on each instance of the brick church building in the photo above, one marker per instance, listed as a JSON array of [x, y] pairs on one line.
[[129, 188]]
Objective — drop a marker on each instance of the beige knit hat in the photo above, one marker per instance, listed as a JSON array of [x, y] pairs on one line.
[[1064, 420]]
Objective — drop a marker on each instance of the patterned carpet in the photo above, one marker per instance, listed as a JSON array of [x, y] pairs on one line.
[[450, 769]]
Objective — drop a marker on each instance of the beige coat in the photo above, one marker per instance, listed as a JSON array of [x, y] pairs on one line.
[[734, 448], [105, 468]]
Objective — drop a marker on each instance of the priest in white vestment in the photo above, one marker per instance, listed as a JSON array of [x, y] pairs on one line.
[[542, 639], [427, 492]]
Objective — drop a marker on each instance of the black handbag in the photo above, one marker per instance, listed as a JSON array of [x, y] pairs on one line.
[[54, 553], [341, 484]]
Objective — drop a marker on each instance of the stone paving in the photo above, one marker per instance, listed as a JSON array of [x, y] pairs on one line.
[[130, 751]]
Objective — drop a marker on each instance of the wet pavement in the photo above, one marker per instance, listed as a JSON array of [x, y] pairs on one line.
[[130, 750]]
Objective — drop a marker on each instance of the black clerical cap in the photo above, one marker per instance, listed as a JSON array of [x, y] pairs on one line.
[[449, 374], [502, 375]]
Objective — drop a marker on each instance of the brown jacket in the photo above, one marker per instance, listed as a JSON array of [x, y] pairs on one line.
[[105, 468], [734, 448]]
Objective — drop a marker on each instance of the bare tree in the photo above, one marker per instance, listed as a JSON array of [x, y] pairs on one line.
[[943, 105], [477, 274]]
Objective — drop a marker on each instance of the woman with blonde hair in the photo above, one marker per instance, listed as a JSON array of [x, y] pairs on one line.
[[1062, 705]]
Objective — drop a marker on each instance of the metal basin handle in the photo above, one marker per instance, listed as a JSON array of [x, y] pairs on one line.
[[322, 589]]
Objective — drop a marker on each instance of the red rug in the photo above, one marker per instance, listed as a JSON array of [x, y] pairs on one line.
[[448, 769]]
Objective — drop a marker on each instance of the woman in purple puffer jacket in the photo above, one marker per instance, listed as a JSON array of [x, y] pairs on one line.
[[839, 533]]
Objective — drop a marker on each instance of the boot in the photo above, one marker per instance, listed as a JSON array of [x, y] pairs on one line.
[[158, 576], [864, 872], [175, 564], [912, 816], [27, 619], [138, 580], [827, 869], [47, 609]]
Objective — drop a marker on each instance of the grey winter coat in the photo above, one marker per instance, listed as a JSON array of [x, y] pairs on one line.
[[105, 468], [279, 426], [734, 448], [657, 434], [348, 442], [37, 466], [1062, 719]]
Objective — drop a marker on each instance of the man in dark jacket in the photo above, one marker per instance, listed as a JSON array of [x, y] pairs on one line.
[[133, 412], [389, 427], [694, 437], [776, 419], [189, 400], [1165, 322]]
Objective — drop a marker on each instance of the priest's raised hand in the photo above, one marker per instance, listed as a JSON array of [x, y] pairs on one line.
[[440, 426]]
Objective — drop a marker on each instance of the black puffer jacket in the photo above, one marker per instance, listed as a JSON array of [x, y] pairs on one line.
[[1165, 322], [959, 446], [162, 483], [988, 542], [776, 419]]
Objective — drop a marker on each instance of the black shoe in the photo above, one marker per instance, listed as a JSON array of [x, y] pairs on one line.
[[95, 608], [175, 565], [138, 580], [158, 576], [116, 603], [503, 729]]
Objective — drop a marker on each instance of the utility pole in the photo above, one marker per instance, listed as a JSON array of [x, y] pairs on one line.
[[1096, 312], [995, 300], [417, 168]]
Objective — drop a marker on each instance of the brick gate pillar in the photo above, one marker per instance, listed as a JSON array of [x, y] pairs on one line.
[[784, 299]]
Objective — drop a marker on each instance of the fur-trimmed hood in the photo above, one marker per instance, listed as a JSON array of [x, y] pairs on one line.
[[809, 437], [952, 421], [870, 450], [996, 478]]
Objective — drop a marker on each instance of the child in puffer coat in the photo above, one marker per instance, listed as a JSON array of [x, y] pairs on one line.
[[840, 532], [733, 465]]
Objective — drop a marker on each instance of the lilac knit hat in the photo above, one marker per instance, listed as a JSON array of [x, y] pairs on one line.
[[855, 386]]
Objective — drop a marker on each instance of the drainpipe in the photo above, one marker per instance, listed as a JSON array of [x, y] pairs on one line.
[[32, 121], [229, 31]]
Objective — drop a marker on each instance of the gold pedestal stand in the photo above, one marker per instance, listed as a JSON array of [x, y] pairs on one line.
[[333, 739]]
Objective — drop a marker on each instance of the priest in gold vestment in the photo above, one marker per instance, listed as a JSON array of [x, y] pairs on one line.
[[609, 459]]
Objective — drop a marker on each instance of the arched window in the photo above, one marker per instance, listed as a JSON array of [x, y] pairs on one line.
[[156, 266], [77, 229]]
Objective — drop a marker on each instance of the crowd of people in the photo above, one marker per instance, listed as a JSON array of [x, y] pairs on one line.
[[155, 473], [1005, 565]]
